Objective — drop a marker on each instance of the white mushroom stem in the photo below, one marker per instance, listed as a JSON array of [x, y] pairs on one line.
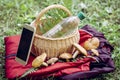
[[44, 64], [52, 61], [75, 54], [93, 58], [95, 52], [67, 60]]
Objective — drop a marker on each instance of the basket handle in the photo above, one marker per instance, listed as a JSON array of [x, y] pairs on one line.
[[37, 20]]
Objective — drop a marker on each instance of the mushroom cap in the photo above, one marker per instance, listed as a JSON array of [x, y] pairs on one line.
[[91, 43], [95, 52], [37, 62], [65, 56], [80, 49]]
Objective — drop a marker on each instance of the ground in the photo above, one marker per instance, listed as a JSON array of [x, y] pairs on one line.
[[104, 15]]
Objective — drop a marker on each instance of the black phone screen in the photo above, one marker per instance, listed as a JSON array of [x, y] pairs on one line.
[[24, 45]]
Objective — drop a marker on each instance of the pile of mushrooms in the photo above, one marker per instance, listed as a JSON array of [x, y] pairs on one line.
[[90, 44], [40, 61]]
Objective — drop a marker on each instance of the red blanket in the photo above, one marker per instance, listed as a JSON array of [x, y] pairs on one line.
[[14, 69]]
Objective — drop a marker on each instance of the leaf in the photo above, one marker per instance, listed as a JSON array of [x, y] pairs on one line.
[[23, 8], [67, 4], [28, 72]]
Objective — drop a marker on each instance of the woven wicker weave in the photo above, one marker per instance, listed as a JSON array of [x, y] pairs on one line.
[[53, 46]]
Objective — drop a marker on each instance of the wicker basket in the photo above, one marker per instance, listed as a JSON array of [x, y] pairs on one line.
[[52, 46]]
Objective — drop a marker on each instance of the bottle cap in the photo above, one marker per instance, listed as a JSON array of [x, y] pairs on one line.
[[81, 15]]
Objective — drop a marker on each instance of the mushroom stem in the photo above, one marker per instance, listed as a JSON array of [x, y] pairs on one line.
[[44, 64], [67, 60], [95, 52], [93, 58], [52, 61], [75, 54]]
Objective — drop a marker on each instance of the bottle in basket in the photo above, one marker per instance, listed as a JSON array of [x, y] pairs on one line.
[[65, 27]]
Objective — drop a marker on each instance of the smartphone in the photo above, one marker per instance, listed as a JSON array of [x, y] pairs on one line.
[[25, 44]]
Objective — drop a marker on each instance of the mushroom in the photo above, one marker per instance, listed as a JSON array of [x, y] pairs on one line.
[[52, 61], [95, 52], [91, 43], [44, 64], [80, 50], [66, 56], [39, 61], [96, 60]]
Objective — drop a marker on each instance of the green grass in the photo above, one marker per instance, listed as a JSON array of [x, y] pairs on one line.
[[104, 15]]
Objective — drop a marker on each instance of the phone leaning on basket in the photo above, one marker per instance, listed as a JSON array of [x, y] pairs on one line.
[[25, 44]]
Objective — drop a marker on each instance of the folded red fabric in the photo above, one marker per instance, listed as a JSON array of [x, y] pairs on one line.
[[14, 69]]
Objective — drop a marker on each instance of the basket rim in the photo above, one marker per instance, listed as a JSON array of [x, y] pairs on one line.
[[60, 38]]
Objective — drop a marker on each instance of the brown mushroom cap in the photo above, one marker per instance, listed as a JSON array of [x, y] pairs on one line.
[[91, 43], [65, 56], [37, 62], [80, 49]]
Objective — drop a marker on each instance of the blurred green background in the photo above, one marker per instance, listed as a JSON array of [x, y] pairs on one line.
[[104, 15]]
